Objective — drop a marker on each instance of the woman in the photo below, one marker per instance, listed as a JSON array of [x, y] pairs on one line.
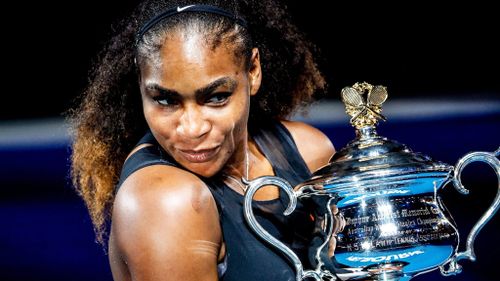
[[185, 83]]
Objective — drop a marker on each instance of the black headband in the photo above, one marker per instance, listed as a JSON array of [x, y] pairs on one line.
[[189, 8]]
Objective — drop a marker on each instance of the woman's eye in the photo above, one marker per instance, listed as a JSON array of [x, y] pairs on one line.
[[165, 101], [218, 98]]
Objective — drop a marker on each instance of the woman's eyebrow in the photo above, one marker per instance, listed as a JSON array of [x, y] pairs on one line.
[[161, 90], [208, 89], [201, 92]]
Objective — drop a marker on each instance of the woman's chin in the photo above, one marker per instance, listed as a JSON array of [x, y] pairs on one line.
[[205, 170]]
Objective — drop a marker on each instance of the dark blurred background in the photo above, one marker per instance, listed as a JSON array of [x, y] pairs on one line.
[[440, 64]]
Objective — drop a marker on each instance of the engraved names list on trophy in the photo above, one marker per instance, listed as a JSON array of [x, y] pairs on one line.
[[391, 223]]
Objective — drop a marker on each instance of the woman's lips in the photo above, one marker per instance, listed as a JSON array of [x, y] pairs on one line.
[[199, 156]]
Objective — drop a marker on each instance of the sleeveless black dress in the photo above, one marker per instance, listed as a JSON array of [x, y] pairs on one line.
[[248, 257]]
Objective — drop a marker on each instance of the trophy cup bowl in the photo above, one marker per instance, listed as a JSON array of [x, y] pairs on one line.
[[396, 225]]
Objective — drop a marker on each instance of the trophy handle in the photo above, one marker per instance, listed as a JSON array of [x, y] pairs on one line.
[[255, 185], [492, 160]]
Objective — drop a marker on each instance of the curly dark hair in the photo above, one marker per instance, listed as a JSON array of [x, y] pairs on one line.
[[109, 120]]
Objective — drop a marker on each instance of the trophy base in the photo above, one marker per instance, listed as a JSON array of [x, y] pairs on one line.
[[387, 272]]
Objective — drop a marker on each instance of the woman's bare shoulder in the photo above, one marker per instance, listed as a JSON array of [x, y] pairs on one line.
[[163, 193], [314, 146], [161, 213]]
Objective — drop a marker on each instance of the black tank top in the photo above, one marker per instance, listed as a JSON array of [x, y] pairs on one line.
[[248, 257]]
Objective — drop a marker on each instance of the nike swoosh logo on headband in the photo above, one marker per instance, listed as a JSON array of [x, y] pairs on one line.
[[179, 9]]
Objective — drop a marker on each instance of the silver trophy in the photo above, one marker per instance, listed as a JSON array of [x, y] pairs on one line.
[[396, 225]]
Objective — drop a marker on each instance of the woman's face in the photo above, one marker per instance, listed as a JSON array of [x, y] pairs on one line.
[[196, 101]]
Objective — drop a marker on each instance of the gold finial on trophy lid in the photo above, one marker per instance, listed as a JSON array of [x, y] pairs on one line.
[[364, 111]]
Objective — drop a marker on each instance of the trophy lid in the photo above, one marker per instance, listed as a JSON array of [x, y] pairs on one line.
[[370, 157]]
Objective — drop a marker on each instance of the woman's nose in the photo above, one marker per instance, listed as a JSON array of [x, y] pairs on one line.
[[192, 123]]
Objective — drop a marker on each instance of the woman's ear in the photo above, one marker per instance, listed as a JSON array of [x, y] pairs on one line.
[[255, 72]]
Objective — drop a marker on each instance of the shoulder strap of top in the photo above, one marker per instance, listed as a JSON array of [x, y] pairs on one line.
[[146, 156], [147, 138], [278, 146]]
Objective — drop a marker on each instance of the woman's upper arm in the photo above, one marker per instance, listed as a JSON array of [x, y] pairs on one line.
[[314, 146], [165, 226]]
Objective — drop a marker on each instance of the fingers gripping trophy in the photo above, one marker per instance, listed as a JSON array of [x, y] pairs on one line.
[[378, 204]]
